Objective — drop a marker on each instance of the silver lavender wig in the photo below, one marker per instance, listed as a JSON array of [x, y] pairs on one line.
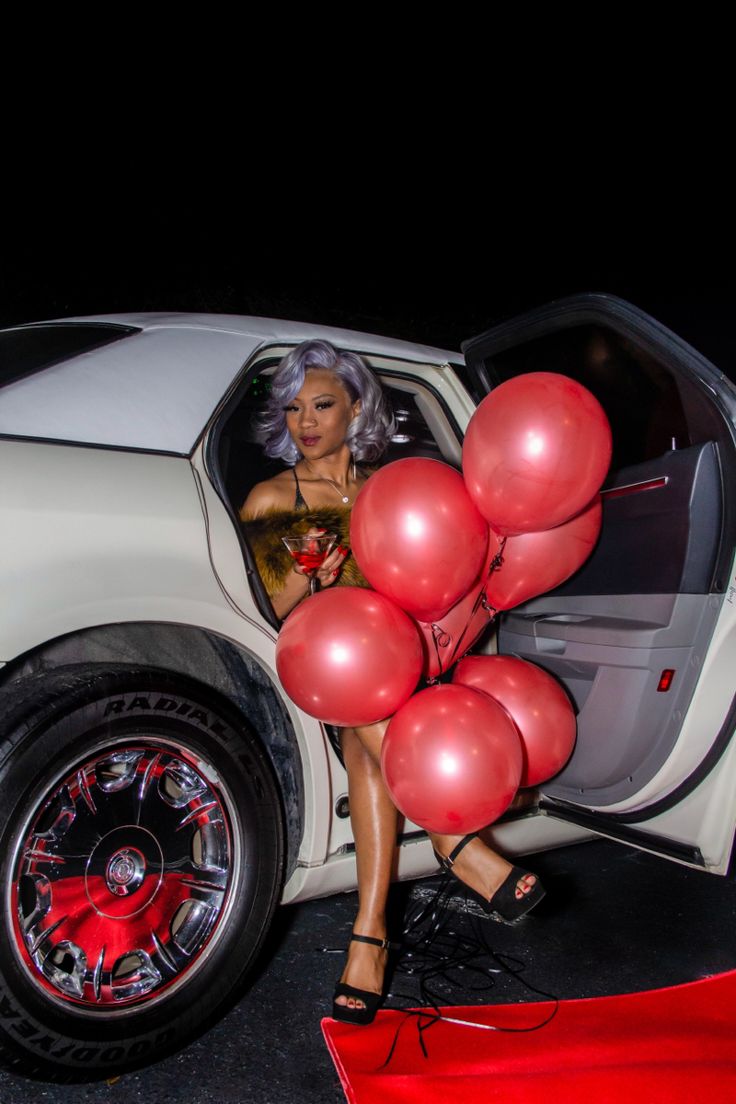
[[368, 434]]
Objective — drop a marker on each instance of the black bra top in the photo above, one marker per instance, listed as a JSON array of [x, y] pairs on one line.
[[299, 501]]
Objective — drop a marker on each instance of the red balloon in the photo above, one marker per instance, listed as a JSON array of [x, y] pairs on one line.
[[417, 537], [536, 450], [537, 704], [455, 633], [451, 760], [348, 656], [534, 563]]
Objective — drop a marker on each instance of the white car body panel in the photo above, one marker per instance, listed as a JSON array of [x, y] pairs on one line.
[[107, 536], [152, 390]]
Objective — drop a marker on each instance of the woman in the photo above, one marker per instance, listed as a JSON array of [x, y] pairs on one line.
[[326, 414]]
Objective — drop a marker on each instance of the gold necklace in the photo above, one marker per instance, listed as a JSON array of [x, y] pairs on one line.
[[345, 498]]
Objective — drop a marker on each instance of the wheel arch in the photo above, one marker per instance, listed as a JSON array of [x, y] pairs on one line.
[[202, 656]]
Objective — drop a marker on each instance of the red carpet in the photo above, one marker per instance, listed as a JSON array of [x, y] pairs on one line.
[[665, 1045]]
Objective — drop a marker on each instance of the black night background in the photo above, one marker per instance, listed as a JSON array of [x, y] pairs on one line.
[[434, 280]]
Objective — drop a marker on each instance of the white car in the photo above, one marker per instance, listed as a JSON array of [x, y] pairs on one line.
[[159, 794]]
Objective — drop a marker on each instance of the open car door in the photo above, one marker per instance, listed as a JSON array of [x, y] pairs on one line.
[[644, 635]]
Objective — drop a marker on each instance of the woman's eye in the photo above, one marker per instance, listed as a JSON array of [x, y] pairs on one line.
[[324, 405], [290, 409]]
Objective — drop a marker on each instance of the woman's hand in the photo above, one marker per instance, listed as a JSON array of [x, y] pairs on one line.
[[329, 570]]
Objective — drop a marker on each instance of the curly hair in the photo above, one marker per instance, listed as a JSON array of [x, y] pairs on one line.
[[368, 434]]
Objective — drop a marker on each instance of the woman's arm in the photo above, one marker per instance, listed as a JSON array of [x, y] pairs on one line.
[[263, 499], [296, 588]]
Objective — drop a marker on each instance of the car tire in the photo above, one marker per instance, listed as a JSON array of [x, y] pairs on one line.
[[141, 860]]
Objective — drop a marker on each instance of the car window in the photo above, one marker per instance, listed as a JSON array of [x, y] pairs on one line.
[[28, 349], [638, 393]]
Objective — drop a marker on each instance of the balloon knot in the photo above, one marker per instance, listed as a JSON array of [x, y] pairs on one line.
[[442, 637]]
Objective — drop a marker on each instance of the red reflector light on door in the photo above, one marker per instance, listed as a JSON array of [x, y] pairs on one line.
[[665, 681]]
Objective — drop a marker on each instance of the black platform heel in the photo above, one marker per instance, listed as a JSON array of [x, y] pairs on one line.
[[504, 905], [371, 1001]]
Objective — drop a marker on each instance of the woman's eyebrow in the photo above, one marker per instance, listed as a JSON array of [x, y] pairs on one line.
[[316, 398], [323, 395]]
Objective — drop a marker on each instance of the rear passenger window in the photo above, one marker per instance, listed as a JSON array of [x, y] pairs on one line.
[[637, 392]]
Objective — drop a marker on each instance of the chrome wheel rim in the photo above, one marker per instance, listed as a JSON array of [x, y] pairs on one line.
[[124, 875]]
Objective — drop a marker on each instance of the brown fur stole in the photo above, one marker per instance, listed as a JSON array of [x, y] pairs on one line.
[[273, 561]]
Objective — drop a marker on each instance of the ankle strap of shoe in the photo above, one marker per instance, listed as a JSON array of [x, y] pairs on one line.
[[384, 944], [450, 860]]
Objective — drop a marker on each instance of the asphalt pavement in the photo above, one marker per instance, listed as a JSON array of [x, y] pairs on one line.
[[614, 920]]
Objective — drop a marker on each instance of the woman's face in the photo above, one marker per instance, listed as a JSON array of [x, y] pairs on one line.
[[319, 416]]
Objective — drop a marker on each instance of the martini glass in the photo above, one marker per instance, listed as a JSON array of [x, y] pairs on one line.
[[310, 552]]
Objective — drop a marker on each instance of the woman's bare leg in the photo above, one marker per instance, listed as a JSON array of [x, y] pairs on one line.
[[374, 820]]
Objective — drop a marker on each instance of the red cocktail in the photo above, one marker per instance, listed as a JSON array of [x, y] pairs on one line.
[[310, 552]]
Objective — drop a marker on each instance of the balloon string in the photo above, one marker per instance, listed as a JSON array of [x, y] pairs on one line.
[[481, 600], [438, 949], [441, 639]]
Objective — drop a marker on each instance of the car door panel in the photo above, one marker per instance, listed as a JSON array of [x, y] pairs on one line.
[[612, 664], [653, 597], [640, 606], [661, 526]]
